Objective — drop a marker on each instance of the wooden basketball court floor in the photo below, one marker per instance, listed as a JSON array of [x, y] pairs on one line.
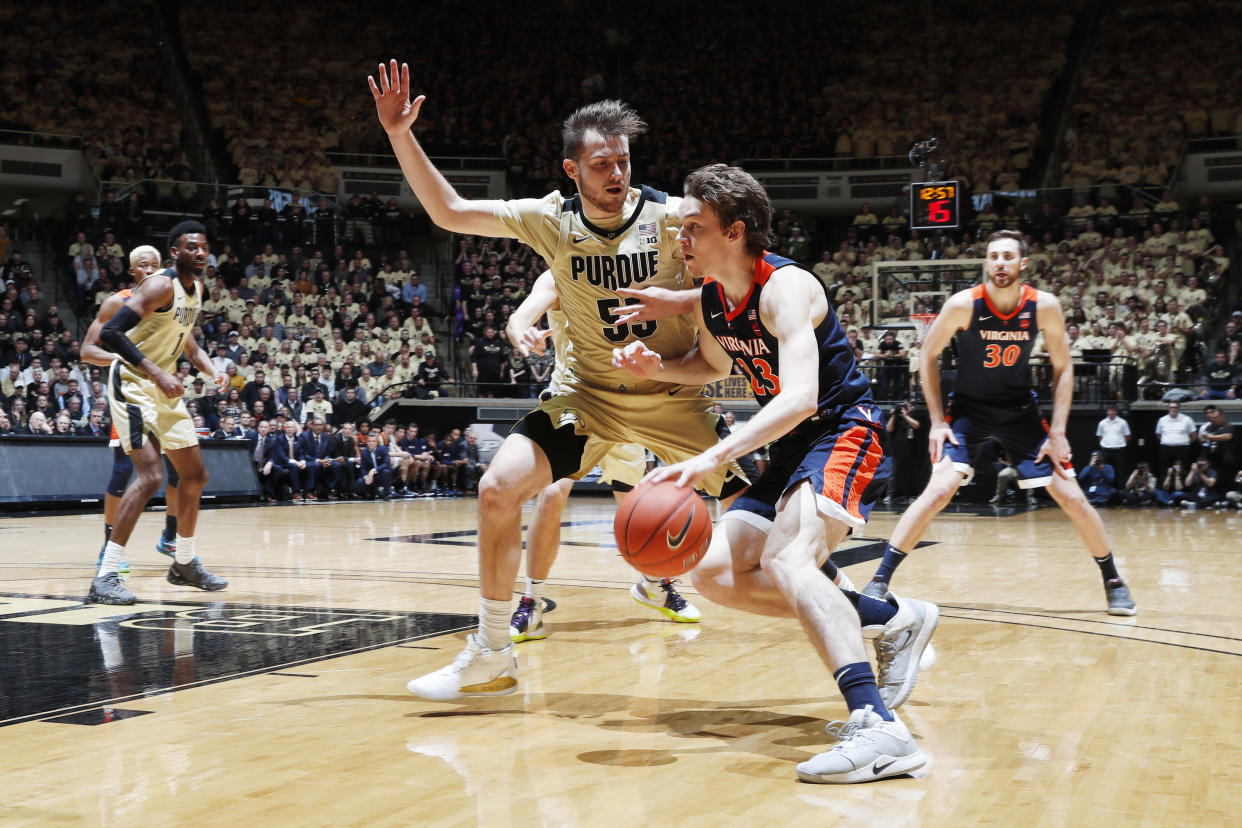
[[282, 700]]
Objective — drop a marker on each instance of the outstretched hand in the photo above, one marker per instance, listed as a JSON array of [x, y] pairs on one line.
[[653, 303], [533, 340], [397, 113], [686, 473], [638, 359]]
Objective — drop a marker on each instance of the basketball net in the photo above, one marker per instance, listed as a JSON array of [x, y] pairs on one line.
[[922, 324]]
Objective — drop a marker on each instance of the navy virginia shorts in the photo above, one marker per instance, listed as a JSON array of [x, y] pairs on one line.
[[1020, 429], [843, 453]]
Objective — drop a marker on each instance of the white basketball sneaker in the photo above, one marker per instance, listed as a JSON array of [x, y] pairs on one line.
[[671, 604], [899, 648], [477, 671], [869, 748]]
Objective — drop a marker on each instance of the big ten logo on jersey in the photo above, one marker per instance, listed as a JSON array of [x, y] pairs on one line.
[[647, 233], [622, 270]]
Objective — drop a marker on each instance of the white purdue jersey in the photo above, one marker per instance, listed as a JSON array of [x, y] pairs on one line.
[[589, 262], [161, 334]]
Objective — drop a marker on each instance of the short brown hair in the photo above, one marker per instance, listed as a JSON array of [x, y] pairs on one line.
[[734, 195], [1014, 235], [605, 117]]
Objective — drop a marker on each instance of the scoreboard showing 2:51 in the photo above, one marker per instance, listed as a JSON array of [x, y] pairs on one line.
[[934, 206]]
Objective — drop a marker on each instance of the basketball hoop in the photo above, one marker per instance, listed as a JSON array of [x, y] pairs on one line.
[[922, 324]]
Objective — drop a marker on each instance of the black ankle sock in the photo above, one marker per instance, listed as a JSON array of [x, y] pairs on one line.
[[1107, 568], [892, 559], [830, 569], [170, 528], [107, 532]]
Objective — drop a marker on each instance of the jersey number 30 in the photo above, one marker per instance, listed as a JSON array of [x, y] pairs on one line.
[[994, 356], [614, 332]]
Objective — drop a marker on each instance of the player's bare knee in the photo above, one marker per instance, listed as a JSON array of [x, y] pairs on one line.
[[495, 494], [784, 560]]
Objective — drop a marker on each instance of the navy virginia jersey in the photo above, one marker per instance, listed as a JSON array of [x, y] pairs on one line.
[[754, 350], [992, 353]]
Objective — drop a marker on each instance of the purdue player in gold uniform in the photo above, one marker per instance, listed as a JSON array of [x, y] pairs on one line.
[[608, 236], [622, 468], [149, 333]]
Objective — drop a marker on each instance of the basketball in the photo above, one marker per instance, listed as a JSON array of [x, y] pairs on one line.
[[662, 530]]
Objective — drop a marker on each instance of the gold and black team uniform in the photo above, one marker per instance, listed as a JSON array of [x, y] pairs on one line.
[[589, 262], [994, 398], [137, 405]]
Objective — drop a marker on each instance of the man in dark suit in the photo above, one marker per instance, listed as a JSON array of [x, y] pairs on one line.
[[228, 430], [93, 426], [375, 472], [270, 475], [347, 456], [319, 452], [284, 452]]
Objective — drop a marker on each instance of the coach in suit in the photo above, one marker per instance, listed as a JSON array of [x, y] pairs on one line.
[[374, 470], [319, 451], [284, 452]]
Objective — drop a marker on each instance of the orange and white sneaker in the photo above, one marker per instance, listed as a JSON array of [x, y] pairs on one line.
[[477, 671]]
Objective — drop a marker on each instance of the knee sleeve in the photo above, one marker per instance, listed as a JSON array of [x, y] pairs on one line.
[[122, 470]]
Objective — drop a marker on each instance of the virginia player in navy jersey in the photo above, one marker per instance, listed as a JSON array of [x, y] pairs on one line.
[[828, 465], [995, 324]]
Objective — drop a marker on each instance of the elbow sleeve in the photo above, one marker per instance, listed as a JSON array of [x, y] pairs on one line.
[[113, 335]]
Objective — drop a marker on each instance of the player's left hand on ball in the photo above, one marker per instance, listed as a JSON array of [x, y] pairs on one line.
[[686, 473]]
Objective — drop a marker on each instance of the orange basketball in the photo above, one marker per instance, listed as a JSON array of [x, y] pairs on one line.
[[662, 530]]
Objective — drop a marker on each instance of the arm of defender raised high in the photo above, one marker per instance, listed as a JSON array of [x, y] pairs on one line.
[[397, 114], [1048, 315], [954, 317]]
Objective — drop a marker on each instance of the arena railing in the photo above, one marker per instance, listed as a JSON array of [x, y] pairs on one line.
[[441, 162], [34, 138]]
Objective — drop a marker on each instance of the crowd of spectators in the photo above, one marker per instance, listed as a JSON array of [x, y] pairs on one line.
[[1158, 75], [1143, 288], [362, 462], [108, 88], [836, 87], [1197, 463]]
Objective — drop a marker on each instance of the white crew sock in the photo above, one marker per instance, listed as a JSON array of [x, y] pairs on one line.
[[534, 589], [494, 623], [114, 553], [185, 550]]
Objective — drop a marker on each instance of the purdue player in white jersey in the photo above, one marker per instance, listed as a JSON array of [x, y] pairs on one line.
[[149, 333], [622, 468], [608, 236]]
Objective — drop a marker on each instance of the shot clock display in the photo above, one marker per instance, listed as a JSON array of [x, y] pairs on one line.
[[933, 205]]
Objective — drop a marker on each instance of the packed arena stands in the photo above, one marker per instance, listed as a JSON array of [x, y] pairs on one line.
[[317, 309]]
